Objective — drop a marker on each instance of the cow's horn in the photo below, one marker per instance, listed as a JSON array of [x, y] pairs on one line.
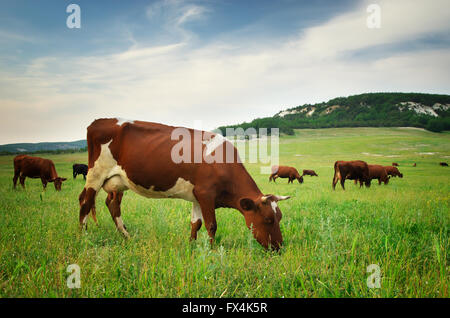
[[282, 197]]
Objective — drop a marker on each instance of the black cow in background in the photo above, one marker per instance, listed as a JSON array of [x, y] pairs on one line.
[[79, 168]]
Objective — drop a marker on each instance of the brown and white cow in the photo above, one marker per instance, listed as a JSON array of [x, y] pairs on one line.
[[36, 167], [311, 173], [393, 171], [285, 172], [353, 170], [138, 155]]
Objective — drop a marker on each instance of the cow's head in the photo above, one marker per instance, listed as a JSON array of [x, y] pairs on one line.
[[263, 217], [400, 175], [58, 182], [300, 179]]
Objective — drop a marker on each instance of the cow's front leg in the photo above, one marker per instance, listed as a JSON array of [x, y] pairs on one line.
[[113, 202], [22, 181], [207, 207], [342, 183], [196, 220], [44, 183]]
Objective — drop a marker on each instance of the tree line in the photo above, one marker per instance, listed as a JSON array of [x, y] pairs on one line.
[[364, 110]]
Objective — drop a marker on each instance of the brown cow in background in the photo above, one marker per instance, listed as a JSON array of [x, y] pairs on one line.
[[311, 173], [395, 164], [285, 172], [444, 164], [353, 170], [35, 167], [377, 172], [393, 171]]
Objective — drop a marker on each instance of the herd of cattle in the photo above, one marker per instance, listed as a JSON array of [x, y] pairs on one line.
[[118, 160], [357, 170]]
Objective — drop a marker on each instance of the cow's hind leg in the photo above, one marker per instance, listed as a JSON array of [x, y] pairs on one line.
[[95, 179], [335, 179], [87, 203], [196, 220], [113, 202]]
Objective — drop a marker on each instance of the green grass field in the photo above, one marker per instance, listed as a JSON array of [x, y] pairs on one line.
[[330, 237]]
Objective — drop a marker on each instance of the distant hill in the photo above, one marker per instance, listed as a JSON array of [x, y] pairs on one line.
[[429, 111], [58, 147]]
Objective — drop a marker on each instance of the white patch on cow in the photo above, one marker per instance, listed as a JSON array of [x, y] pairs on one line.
[[102, 169], [114, 184], [274, 206], [196, 212], [121, 121], [108, 174]]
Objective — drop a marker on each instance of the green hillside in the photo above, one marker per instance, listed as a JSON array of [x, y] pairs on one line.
[[57, 147], [429, 111]]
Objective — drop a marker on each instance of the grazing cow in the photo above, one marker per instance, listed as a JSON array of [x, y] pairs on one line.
[[414, 165], [147, 158], [285, 172], [79, 168], [395, 164], [353, 170], [309, 173], [377, 172], [444, 164], [393, 171], [35, 167]]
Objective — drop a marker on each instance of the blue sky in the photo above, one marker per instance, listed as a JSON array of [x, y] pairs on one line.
[[219, 61]]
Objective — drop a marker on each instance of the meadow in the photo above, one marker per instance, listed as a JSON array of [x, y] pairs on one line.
[[330, 237]]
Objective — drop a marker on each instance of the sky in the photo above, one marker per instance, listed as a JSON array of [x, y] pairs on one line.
[[214, 62]]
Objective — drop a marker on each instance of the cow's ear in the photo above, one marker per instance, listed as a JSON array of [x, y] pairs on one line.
[[247, 204], [63, 179]]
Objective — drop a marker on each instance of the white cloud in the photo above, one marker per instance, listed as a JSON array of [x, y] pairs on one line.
[[401, 20], [222, 82]]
